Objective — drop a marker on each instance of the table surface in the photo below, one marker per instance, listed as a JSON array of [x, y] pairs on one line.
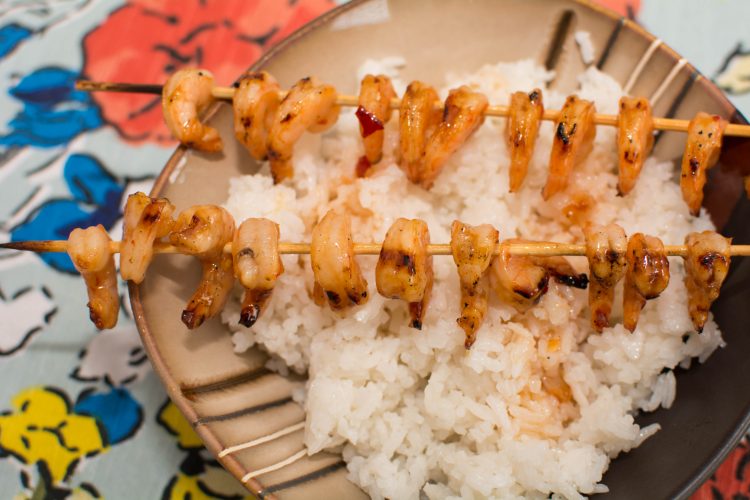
[[81, 413]]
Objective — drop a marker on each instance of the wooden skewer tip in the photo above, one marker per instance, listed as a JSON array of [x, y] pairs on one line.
[[39, 246]]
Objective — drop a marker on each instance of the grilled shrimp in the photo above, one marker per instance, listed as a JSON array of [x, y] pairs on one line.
[[521, 280], [521, 131], [635, 139], [560, 269], [91, 255], [646, 276], [185, 95], [373, 113], [518, 279], [337, 274], [702, 151], [203, 231], [257, 264], [309, 105], [472, 248], [605, 249], [462, 116], [404, 269], [255, 101], [574, 139], [418, 118], [144, 221], [706, 266]]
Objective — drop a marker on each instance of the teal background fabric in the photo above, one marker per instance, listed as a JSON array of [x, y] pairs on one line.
[[82, 413]]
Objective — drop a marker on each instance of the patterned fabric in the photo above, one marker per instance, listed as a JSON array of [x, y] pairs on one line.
[[81, 413]]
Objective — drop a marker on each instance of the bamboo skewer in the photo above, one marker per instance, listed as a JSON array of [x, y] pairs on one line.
[[538, 249], [227, 93]]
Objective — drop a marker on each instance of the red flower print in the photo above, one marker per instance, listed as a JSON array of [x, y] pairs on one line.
[[146, 40], [628, 8], [731, 480]]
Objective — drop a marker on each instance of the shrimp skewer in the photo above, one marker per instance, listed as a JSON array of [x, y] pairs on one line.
[[702, 150], [521, 130], [462, 116], [89, 249], [418, 118], [404, 268], [309, 106], [574, 139], [519, 273], [373, 113], [144, 221], [472, 248], [203, 231], [706, 266], [257, 265], [185, 95], [605, 249], [255, 101], [338, 278], [635, 140], [646, 277]]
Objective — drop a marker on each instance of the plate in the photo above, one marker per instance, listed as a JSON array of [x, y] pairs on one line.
[[232, 399]]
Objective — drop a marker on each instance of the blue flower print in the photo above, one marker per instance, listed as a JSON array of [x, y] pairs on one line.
[[53, 112], [10, 36], [96, 196]]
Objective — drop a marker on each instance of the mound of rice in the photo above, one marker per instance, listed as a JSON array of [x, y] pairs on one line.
[[412, 411]]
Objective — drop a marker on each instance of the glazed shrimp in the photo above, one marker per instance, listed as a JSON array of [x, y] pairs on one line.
[[517, 279], [605, 249], [145, 220], [373, 113], [90, 251], [255, 101], [472, 248], [462, 116], [309, 106], [418, 116], [521, 280], [337, 275], [635, 139], [257, 264], [705, 133], [646, 276], [574, 139], [560, 269], [185, 95], [706, 267], [203, 231], [404, 268], [521, 131]]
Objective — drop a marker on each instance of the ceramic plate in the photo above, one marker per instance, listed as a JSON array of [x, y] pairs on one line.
[[232, 399]]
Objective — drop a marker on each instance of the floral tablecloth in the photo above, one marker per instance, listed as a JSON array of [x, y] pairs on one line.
[[82, 415]]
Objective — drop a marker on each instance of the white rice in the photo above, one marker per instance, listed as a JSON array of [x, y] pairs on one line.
[[412, 411]]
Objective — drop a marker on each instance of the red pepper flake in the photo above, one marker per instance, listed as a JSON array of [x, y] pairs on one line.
[[368, 123], [363, 165]]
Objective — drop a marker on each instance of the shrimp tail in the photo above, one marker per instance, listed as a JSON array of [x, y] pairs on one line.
[[600, 300], [252, 305], [212, 293]]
